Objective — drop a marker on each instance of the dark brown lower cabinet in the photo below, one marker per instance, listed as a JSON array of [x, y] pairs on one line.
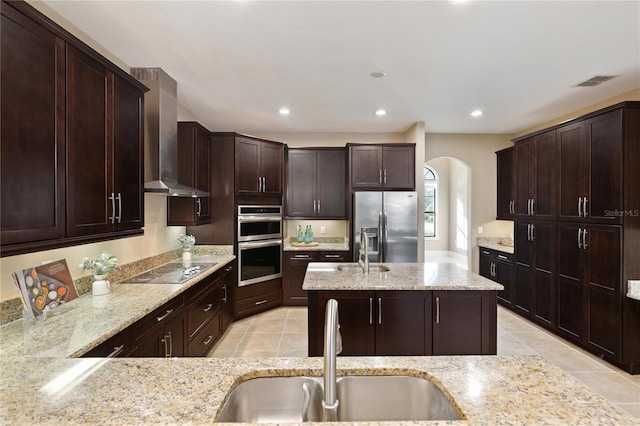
[[407, 322], [498, 266]]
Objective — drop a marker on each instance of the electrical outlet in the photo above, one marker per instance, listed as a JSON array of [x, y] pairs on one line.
[[480, 229], [323, 229]]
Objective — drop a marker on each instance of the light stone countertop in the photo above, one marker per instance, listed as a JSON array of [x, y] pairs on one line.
[[488, 390], [82, 324], [496, 246], [322, 246], [633, 292], [401, 276]]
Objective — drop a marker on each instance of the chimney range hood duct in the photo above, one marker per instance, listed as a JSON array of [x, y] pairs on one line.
[[161, 135]]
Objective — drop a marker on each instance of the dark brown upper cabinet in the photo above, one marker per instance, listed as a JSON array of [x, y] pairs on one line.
[[536, 177], [194, 170], [382, 167], [71, 139], [258, 166], [316, 183], [506, 184], [590, 169]]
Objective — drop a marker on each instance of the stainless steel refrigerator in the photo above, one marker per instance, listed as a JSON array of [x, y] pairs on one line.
[[391, 219]]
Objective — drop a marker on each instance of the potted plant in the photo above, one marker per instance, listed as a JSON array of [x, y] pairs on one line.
[[186, 243], [100, 267]]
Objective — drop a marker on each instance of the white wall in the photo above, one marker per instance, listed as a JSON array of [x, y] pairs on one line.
[[458, 208], [478, 152], [441, 243]]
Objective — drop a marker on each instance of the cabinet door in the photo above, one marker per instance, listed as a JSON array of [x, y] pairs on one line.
[[366, 166], [295, 270], [330, 183], [128, 156], [398, 167], [544, 199], [301, 175], [604, 286], [505, 161], [525, 151], [504, 276], [604, 136], [32, 131], [202, 172], [91, 204], [271, 166], [570, 304], [403, 323], [247, 170], [356, 316], [486, 265], [544, 290], [571, 171], [464, 323], [227, 291]]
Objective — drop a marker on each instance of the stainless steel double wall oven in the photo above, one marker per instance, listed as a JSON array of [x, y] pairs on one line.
[[259, 244]]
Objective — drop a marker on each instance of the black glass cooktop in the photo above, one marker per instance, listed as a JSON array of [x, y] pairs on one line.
[[171, 273]]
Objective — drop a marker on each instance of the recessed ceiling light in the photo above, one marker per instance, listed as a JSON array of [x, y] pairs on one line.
[[476, 113], [378, 74], [284, 111], [380, 112]]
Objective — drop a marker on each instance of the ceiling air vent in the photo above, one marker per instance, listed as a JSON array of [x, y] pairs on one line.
[[594, 81]]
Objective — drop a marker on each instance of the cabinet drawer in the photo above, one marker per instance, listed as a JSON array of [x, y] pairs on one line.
[[203, 310], [302, 256], [503, 257], [335, 256], [205, 338], [257, 303], [158, 318], [113, 347]]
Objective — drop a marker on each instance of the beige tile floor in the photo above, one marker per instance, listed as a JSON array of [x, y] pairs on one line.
[[283, 332]]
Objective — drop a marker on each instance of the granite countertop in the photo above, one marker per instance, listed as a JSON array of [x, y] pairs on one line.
[[401, 276], [76, 327], [633, 292], [504, 245], [324, 244], [488, 390]]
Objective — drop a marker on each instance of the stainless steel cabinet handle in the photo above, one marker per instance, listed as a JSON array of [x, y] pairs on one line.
[[259, 183], [533, 206], [437, 310], [584, 239], [112, 218], [333, 256], [584, 207], [165, 315], [380, 175], [168, 345], [228, 268], [199, 207], [224, 298], [379, 310], [264, 184], [371, 310], [528, 232], [502, 257], [315, 207], [493, 269], [208, 308], [116, 351], [528, 205], [261, 302], [485, 252], [385, 175], [533, 232], [209, 339], [318, 206], [579, 206], [119, 198], [579, 238], [302, 256]]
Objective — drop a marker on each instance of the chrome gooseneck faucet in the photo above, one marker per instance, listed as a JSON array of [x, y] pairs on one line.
[[332, 347], [364, 251]]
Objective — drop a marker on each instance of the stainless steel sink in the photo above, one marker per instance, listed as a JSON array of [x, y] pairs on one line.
[[361, 398], [354, 267]]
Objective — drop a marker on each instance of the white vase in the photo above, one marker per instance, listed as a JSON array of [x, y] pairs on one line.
[[100, 285], [186, 258]]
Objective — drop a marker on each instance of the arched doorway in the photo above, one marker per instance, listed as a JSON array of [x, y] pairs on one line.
[[447, 211]]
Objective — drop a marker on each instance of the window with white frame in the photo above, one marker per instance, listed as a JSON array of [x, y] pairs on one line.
[[430, 189]]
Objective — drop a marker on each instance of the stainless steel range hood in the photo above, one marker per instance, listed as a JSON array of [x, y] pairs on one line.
[[161, 135]]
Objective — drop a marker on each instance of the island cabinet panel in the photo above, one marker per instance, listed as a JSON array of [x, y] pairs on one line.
[[506, 184], [464, 322], [382, 167], [194, 171], [407, 322], [32, 131]]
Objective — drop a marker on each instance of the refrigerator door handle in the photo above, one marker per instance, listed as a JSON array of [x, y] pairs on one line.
[[386, 236], [381, 240]]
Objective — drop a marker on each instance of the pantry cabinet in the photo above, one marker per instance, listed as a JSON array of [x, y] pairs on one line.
[[72, 172], [316, 183], [506, 188], [382, 167], [407, 322], [536, 177], [193, 171]]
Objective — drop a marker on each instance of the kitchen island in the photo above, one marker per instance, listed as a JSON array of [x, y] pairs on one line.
[[404, 309]]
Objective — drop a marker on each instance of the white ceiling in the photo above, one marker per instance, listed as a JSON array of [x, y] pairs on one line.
[[238, 62]]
